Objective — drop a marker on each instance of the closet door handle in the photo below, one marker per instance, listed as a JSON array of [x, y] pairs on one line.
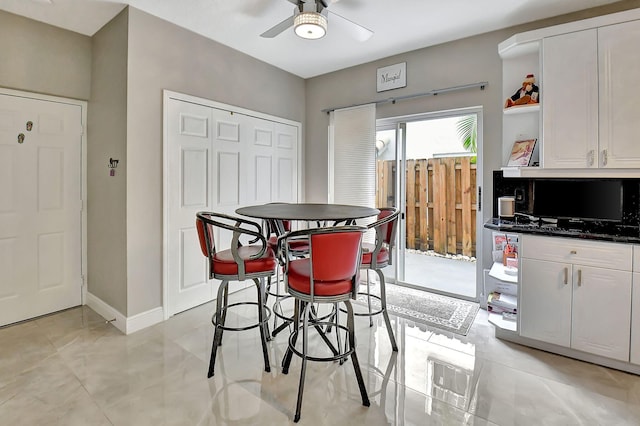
[[579, 277], [566, 276]]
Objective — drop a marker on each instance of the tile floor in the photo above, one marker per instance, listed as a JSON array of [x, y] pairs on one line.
[[72, 368]]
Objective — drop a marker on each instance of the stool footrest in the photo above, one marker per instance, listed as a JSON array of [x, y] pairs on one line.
[[368, 314], [248, 327], [347, 352]]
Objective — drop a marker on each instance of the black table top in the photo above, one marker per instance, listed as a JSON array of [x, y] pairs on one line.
[[307, 211]]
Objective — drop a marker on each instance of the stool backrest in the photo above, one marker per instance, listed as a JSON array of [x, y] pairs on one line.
[[335, 253], [204, 225]]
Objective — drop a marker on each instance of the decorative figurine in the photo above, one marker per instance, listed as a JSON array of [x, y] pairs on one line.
[[527, 94]]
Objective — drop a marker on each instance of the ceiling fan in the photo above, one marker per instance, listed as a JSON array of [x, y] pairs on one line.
[[310, 18]]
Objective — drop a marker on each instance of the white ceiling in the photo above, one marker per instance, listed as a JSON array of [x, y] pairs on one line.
[[398, 25]]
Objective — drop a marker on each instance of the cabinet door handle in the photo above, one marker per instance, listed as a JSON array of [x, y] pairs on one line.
[[579, 277], [566, 276], [604, 157], [573, 252], [591, 157]]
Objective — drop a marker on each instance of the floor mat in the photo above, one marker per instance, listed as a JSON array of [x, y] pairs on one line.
[[446, 313]]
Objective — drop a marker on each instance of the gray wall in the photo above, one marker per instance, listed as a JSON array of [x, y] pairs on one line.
[[44, 59], [107, 138], [164, 56]]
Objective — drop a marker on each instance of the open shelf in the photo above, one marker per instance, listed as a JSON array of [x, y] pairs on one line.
[[498, 321], [522, 109], [498, 271]]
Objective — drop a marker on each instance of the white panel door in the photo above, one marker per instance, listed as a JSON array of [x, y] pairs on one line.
[[257, 154], [189, 191], [40, 207], [286, 164], [228, 178]]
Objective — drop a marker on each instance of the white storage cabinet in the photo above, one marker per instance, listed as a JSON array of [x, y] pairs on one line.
[[576, 294]]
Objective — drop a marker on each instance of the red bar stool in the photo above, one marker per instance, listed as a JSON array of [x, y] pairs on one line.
[[328, 275], [377, 256], [241, 262]]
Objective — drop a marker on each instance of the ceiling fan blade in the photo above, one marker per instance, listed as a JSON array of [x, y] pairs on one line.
[[278, 28], [357, 31]]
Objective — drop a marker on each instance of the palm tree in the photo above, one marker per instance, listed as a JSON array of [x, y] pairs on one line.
[[467, 128]]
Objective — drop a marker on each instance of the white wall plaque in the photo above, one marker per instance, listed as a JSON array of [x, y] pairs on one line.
[[392, 77]]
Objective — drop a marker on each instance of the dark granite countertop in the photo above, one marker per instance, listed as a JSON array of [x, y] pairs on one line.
[[591, 231]]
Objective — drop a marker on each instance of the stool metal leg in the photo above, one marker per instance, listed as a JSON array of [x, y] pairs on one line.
[[338, 341], [385, 314], [369, 300], [286, 361], [217, 335], [303, 370], [263, 324], [225, 302], [354, 356]]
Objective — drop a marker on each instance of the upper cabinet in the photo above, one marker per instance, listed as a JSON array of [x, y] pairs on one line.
[[618, 65], [588, 115], [570, 113], [589, 118]]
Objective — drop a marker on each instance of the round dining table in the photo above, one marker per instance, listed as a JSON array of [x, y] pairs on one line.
[[275, 214], [315, 212]]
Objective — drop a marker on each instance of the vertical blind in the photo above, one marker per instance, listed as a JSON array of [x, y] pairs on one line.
[[352, 156]]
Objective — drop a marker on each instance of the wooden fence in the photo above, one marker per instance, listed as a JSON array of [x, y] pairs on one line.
[[441, 203]]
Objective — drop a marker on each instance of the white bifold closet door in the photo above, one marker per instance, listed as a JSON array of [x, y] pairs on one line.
[[218, 160]]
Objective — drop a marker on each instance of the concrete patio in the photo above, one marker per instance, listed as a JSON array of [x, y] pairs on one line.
[[454, 275]]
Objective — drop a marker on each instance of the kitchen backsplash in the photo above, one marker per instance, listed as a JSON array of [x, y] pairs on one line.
[[522, 189]]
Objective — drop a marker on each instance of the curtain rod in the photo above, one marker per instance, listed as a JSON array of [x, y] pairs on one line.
[[435, 92]]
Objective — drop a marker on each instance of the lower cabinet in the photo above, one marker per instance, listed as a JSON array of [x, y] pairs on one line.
[[545, 301], [635, 308], [577, 294]]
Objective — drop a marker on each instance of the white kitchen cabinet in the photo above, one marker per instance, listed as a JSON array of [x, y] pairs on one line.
[[601, 311], [635, 309], [589, 117], [577, 294], [570, 111], [618, 65], [545, 301]]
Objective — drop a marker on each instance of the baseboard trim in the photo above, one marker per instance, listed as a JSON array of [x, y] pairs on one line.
[[145, 319], [108, 312], [120, 321]]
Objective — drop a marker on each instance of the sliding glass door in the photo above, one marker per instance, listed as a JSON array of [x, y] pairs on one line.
[[426, 166]]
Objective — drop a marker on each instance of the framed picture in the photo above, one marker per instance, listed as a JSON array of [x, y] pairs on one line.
[[521, 152], [392, 77]]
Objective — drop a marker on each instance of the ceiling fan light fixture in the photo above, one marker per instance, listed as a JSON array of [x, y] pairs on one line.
[[310, 25]]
